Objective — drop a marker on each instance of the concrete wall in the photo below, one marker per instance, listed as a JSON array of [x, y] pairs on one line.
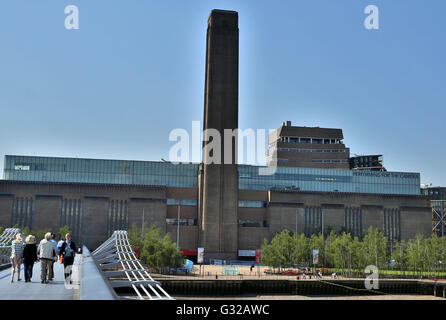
[[154, 212], [280, 211], [95, 213], [372, 216], [252, 238], [282, 217], [415, 211], [95, 199], [6, 201], [415, 220], [188, 236], [333, 216], [46, 208]]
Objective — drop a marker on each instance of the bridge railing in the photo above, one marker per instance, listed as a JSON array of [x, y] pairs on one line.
[[118, 262], [6, 238]]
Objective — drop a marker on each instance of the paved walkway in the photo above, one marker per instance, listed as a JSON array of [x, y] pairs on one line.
[[34, 290]]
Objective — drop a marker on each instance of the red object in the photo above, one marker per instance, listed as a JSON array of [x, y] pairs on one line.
[[137, 250], [188, 252], [435, 279], [289, 272], [323, 271], [258, 255]]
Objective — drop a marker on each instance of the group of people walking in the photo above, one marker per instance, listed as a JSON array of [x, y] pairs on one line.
[[47, 252]]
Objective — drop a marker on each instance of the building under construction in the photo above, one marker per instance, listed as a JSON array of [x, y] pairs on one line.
[[438, 203]]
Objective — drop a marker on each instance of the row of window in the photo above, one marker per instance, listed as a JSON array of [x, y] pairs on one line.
[[182, 222], [282, 177], [182, 202], [194, 222], [252, 224], [329, 161], [310, 140], [311, 150], [251, 204], [26, 163], [107, 178]]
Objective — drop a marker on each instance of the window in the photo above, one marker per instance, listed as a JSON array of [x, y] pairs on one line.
[[181, 202], [182, 222], [251, 204], [252, 224]]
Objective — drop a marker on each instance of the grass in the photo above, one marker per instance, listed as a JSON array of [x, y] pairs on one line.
[[396, 273]]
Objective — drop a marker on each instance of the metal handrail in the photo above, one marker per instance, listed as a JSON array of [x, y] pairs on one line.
[[6, 238], [117, 252]]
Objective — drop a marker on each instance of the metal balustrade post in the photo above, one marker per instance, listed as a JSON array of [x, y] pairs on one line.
[[116, 252]]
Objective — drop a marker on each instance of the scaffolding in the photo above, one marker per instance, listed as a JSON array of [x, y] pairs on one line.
[[439, 217]]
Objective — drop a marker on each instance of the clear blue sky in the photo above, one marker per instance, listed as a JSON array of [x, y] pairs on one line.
[[135, 71]]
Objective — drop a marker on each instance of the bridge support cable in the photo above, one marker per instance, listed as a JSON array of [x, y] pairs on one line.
[[6, 238], [119, 265]]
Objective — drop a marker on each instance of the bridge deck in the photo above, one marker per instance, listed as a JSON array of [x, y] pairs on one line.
[[34, 290]]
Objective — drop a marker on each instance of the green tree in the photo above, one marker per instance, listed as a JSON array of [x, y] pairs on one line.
[[26, 231], [399, 255], [375, 247], [330, 248], [342, 252], [415, 252], [1, 229], [301, 249], [284, 250], [40, 234], [432, 254], [284, 243], [358, 255], [270, 256], [63, 231], [135, 235], [160, 252]]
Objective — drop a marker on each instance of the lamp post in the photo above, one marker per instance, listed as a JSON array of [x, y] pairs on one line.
[[142, 226], [296, 219], [178, 225]]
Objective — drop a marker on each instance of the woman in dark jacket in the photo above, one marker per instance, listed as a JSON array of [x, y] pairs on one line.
[[67, 251], [29, 257]]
